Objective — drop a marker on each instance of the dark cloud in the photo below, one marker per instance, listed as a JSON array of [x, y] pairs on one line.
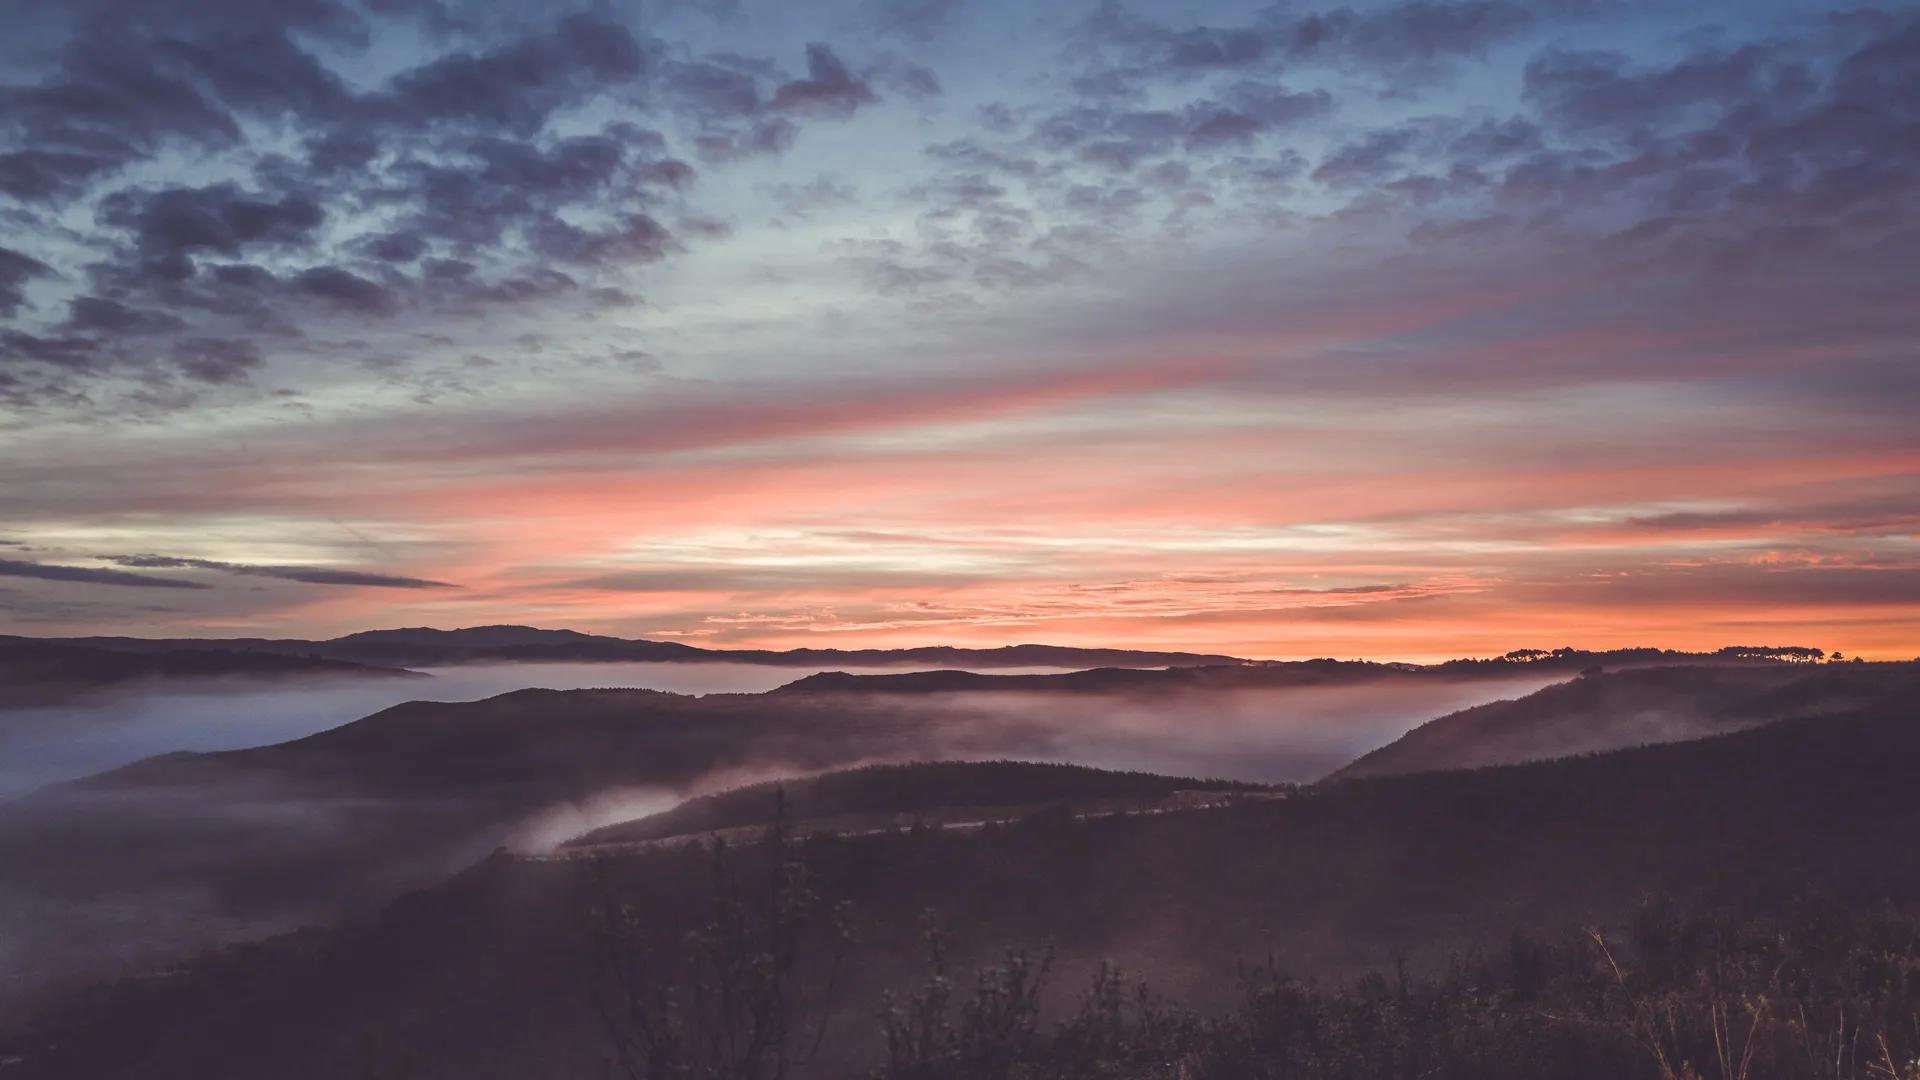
[[1398, 42], [397, 247], [631, 238], [310, 575], [914, 20], [715, 90], [219, 218], [95, 315], [129, 83], [217, 360], [331, 20], [475, 200], [341, 150], [531, 285], [328, 196], [571, 169], [1403, 35], [1490, 141], [1602, 91], [1173, 156], [346, 290], [1122, 138], [1727, 161], [1369, 159], [1248, 109], [38, 175], [115, 99], [828, 90], [90, 575], [58, 350], [16, 270], [261, 72], [1894, 510], [517, 86]]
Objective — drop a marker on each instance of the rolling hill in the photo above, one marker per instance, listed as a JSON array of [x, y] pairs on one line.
[[219, 846], [887, 792], [1626, 708], [1335, 882], [37, 671], [429, 647]]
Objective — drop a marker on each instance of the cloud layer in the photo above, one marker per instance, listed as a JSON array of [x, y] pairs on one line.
[[1408, 327]]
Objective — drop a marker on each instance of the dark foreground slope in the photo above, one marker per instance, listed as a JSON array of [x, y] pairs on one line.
[[489, 974], [1599, 712]]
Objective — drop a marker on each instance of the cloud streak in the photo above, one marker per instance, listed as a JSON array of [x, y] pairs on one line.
[[309, 575], [90, 575]]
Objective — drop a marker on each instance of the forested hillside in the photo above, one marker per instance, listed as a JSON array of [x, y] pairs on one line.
[[1364, 876]]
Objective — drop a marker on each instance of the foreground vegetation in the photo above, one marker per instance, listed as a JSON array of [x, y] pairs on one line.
[[1822, 992], [1819, 989]]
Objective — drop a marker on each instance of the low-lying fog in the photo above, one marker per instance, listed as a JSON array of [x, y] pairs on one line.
[[44, 745], [1269, 736], [1280, 735], [95, 882]]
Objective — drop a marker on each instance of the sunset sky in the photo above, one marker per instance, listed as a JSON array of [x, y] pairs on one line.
[[1405, 329]]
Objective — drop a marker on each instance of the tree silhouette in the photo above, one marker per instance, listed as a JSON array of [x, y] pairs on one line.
[[746, 994]]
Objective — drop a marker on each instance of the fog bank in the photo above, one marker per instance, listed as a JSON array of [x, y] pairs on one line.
[[46, 744]]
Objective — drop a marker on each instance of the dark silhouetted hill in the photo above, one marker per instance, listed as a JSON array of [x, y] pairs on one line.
[[901, 789], [485, 976], [428, 647], [1627, 708], [1110, 680], [34, 671]]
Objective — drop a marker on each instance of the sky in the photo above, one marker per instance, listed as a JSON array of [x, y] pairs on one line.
[[1404, 329]]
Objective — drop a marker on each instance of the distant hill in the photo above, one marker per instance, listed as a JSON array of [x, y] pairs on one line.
[[1626, 708], [34, 671], [1345, 878], [535, 744], [900, 789], [1276, 674], [428, 647], [1106, 680]]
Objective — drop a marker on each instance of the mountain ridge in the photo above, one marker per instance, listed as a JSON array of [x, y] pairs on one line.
[[37, 671], [424, 646]]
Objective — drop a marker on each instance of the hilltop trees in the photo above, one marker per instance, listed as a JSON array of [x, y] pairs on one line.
[[1794, 654]]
